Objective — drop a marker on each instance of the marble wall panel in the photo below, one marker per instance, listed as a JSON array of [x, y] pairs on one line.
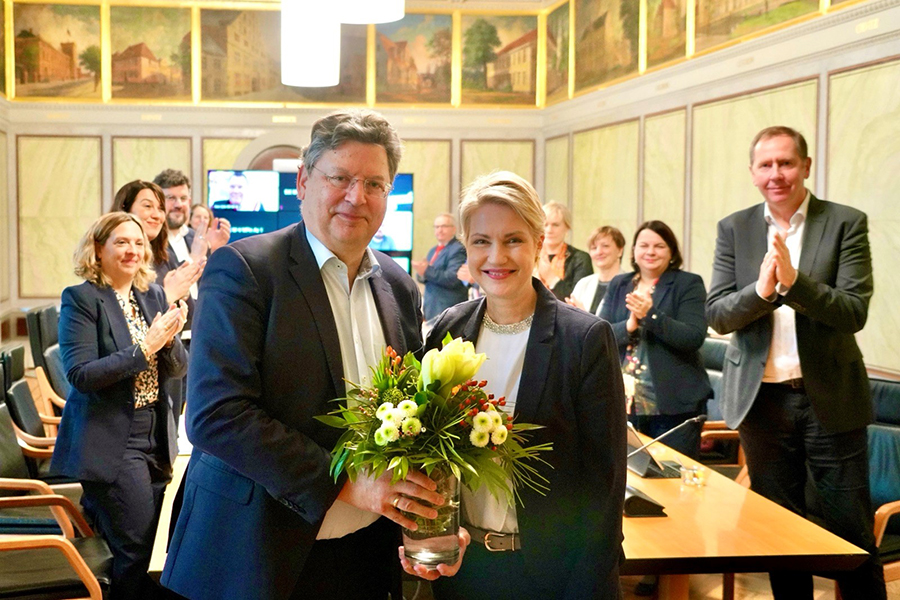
[[863, 162], [664, 170], [605, 181], [58, 198], [720, 179], [429, 163], [218, 153], [4, 222], [145, 157], [480, 157], [556, 163]]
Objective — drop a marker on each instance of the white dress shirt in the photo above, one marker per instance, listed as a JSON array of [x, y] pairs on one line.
[[783, 362], [362, 344], [503, 371]]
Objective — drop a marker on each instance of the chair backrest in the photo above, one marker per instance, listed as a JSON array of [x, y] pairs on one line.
[[713, 406], [23, 409], [12, 356], [56, 373], [12, 461], [49, 326], [885, 400], [712, 353], [33, 320]]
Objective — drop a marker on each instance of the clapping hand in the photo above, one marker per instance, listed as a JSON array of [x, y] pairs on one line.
[[785, 272], [218, 234], [441, 570], [464, 275], [573, 301], [165, 327], [639, 304], [420, 266], [178, 282]]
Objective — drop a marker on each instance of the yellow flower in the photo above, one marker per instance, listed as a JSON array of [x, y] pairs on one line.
[[454, 364]]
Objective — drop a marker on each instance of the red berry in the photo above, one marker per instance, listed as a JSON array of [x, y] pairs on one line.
[[502, 402], [490, 396], [509, 426], [482, 383]]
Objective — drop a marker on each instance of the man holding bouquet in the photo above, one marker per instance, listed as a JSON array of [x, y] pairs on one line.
[[285, 319]]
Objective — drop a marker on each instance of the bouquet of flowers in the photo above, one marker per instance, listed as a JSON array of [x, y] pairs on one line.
[[433, 416]]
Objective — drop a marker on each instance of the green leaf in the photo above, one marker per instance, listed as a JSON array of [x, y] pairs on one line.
[[447, 339], [332, 421]]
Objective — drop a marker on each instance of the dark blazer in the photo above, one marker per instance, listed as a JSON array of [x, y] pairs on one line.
[[578, 265], [571, 384], [831, 299], [101, 363], [265, 360], [442, 288], [673, 330]]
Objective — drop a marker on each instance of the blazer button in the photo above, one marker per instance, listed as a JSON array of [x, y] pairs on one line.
[[653, 316]]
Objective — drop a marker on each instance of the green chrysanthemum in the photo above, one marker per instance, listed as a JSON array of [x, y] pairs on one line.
[[392, 395]]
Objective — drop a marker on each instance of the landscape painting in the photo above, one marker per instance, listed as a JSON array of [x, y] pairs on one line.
[[499, 59], [412, 60], [606, 40], [666, 25], [558, 54], [57, 50], [720, 22], [151, 52]]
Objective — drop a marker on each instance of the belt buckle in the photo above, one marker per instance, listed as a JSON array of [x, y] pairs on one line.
[[487, 541], [796, 383]]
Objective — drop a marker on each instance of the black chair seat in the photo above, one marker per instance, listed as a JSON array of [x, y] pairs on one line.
[[889, 550], [45, 573]]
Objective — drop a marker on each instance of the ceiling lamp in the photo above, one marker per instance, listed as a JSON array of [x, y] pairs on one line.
[[368, 11], [310, 44]]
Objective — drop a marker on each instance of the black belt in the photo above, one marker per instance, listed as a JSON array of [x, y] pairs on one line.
[[794, 384], [495, 541]]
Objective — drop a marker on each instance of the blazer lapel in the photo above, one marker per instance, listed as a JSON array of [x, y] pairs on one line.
[[814, 228], [388, 313], [305, 272], [115, 316], [663, 287], [538, 353]]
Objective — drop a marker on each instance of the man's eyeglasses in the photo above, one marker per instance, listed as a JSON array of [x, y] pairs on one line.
[[373, 188], [181, 198]]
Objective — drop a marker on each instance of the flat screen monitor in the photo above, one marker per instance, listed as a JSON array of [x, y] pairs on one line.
[[262, 201]]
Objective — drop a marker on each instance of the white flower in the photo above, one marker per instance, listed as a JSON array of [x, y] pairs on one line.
[[499, 435], [482, 422], [384, 410], [496, 419], [628, 380], [408, 407], [479, 439], [386, 433], [411, 426]]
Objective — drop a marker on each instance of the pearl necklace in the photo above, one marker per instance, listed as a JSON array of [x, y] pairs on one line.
[[510, 329]]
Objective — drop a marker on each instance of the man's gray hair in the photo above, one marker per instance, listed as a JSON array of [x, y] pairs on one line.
[[356, 125]]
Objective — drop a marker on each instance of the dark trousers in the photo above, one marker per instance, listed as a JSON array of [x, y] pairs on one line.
[[126, 511], [363, 565], [486, 575], [686, 440], [783, 441]]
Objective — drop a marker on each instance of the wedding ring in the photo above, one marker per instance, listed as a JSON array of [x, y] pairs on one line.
[[395, 501]]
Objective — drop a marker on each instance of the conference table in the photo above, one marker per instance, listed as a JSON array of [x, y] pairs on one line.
[[722, 527]]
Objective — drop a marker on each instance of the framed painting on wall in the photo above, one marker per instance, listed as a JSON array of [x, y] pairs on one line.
[[666, 25], [558, 54], [57, 50], [412, 60], [720, 22], [499, 59], [352, 86], [240, 55], [606, 40], [151, 52]]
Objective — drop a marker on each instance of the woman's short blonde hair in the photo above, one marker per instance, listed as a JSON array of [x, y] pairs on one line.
[[506, 189], [561, 210], [87, 263]]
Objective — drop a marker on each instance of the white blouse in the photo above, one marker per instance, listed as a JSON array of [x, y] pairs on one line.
[[502, 370]]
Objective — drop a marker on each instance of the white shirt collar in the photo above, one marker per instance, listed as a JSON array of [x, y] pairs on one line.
[[179, 234], [796, 219], [369, 266]]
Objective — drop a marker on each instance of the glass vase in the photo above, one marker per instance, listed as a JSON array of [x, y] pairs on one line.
[[436, 540]]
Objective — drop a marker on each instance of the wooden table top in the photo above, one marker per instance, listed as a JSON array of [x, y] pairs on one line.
[[723, 527]]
